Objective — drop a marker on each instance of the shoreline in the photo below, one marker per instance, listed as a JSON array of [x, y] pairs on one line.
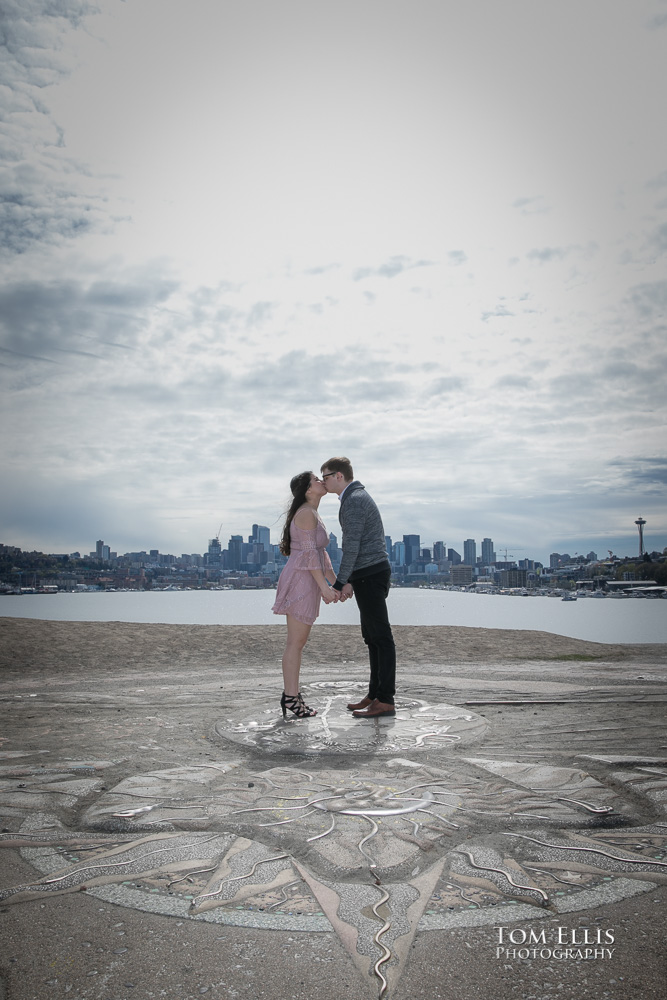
[[606, 622], [36, 646]]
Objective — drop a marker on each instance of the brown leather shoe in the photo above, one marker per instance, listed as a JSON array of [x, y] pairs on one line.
[[364, 703], [376, 709]]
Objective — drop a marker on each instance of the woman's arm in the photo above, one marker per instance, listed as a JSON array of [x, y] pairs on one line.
[[329, 595], [306, 519]]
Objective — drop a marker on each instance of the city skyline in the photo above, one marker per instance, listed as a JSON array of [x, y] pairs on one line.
[[226, 259], [262, 534], [626, 546]]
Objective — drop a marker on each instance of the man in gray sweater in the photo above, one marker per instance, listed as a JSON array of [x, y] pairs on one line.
[[365, 572]]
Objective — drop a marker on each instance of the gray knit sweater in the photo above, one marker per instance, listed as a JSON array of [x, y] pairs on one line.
[[364, 546]]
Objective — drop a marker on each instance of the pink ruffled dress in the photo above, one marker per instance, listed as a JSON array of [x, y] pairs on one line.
[[297, 592]]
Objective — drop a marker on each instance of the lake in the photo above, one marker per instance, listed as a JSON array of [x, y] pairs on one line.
[[606, 620]]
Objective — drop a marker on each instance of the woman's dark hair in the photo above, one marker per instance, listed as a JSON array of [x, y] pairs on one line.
[[299, 486]]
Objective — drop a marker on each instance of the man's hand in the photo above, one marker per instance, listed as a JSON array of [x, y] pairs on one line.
[[346, 592]]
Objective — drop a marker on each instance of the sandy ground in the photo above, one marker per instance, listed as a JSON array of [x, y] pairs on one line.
[[145, 697], [29, 645]]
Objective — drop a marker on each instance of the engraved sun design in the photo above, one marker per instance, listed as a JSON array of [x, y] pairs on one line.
[[417, 725], [386, 848]]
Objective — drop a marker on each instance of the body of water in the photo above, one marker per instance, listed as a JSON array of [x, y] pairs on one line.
[[608, 620]]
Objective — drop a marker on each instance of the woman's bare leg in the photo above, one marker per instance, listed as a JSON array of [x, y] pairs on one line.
[[297, 637]]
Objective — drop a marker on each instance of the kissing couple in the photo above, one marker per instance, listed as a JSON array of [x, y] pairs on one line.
[[364, 574]]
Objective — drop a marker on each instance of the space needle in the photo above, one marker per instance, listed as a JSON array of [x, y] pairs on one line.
[[640, 522]]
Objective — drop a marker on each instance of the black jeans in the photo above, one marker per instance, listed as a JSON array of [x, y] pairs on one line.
[[371, 594]]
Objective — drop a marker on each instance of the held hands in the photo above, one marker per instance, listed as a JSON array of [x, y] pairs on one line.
[[329, 595]]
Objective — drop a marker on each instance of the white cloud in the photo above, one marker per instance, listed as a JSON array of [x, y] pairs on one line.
[[227, 259], [45, 197]]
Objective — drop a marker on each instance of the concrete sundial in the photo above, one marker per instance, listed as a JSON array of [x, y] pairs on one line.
[[417, 725], [378, 830]]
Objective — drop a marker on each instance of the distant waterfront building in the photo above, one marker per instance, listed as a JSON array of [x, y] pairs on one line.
[[470, 552], [137, 559], [214, 555], [439, 552], [412, 545], [554, 560], [190, 559], [196, 559], [454, 557], [261, 535], [592, 557], [513, 578], [399, 553], [235, 552], [102, 551], [335, 553], [388, 545], [461, 576], [488, 554], [257, 555]]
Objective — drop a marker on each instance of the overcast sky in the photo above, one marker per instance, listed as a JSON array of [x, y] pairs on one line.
[[242, 236]]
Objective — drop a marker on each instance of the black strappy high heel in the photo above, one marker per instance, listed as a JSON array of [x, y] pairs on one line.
[[296, 704]]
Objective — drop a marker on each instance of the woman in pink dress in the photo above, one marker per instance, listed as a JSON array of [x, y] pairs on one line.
[[303, 581]]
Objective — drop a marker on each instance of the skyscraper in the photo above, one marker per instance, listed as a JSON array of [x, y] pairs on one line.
[[469, 552], [214, 555], [261, 535], [335, 553], [488, 555], [412, 545], [235, 549]]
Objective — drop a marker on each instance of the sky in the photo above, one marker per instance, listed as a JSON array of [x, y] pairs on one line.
[[240, 237]]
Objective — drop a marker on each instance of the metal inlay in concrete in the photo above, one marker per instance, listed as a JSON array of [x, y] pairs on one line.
[[417, 725], [375, 847]]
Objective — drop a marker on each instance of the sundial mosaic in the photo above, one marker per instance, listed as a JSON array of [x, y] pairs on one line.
[[417, 725], [354, 828]]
